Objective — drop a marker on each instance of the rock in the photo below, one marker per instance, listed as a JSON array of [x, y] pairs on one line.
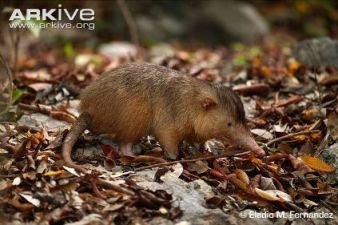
[[212, 21], [190, 196], [161, 50], [118, 49], [39, 120], [330, 155], [238, 19], [159, 26], [191, 199], [158, 53], [317, 52]]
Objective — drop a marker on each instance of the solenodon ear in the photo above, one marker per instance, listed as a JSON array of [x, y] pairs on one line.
[[208, 103]]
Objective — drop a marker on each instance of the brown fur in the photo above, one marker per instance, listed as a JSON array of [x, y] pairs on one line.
[[136, 99]]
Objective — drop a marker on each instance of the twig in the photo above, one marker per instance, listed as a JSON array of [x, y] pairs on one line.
[[16, 52], [36, 108], [328, 103], [14, 37], [96, 190], [10, 85], [115, 187], [186, 161], [129, 20], [291, 135], [56, 114]]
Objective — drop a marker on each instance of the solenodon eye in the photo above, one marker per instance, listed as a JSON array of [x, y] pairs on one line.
[[229, 124]]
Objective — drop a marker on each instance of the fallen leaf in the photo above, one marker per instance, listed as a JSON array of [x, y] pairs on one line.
[[262, 133], [4, 184], [267, 183], [328, 80], [252, 89], [88, 219], [280, 194], [71, 170], [280, 128], [257, 162], [30, 199], [42, 166], [301, 137], [266, 195], [299, 164], [242, 176], [332, 124], [176, 171], [291, 100], [16, 181], [307, 148], [237, 182], [198, 166], [40, 86], [54, 173], [317, 164]]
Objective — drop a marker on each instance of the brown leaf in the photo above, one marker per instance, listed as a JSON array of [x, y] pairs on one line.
[[252, 89], [291, 100], [238, 183], [221, 165], [215, 201], [217, 174], [21, 206], [332, 124], [110, 152], [276, 156], [198, 166], [267, 183], [266, 195], [329, 80], [307, 148], [60, 115], [298, 164], [242, 176]]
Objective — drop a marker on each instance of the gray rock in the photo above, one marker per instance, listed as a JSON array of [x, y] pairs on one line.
[[238, 19], [190, 196], [118, 49], [330, 155], [158, 53], [160, 27], [211, 21], [317, 52], [39, 120]]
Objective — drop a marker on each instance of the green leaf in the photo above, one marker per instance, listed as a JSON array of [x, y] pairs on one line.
[[240, 60], [17, 94], [267, 148], [68, 50], [254, 51], [270, 149]]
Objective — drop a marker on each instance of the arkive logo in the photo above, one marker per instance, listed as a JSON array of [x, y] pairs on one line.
[[56, 14]]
